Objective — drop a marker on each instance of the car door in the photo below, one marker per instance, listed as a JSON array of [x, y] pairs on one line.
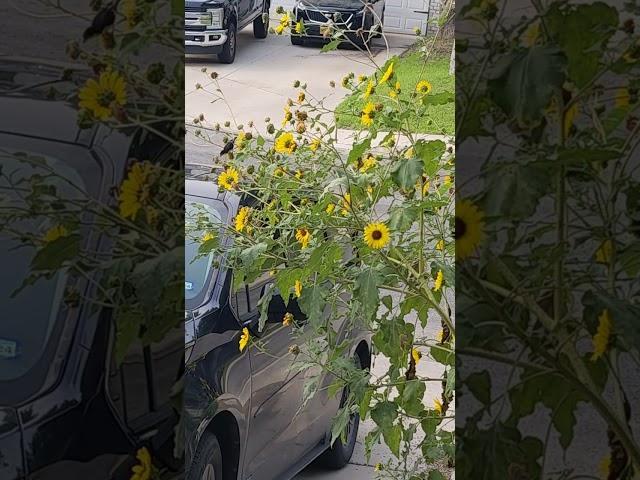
[[276, 389]]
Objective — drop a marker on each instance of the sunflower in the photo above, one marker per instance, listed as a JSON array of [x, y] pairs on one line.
[[300, 27], [207, 236], [303, 236], [55, 232], [134, 193], [287, 319], [244, 339], [376, 235], [279, 29], [603, 335], [299, 174], [287, 115], [370, 90], [440, 245], [143, 470], [387, 74], [314, 145], [279, 172], [378, 467], [346, 204], [330, 208], [301, 97], [416, 355], [622, 98], [241, 140], [604, 252], [242, 219], [437, 406], [130, 12], [438, 281], [285, 143], [229, 178], [285, 20], [368, 114], [469, 228], [395, 91], [297, 288], [423, 87], [101, 97], [440, 336], [368, 163]]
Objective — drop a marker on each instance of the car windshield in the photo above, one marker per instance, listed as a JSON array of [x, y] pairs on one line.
[[201, 220], [26, 324]]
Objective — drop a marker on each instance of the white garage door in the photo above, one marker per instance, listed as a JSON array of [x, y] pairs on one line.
[[400, 15]]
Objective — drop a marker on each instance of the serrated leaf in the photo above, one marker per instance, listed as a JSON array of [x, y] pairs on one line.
[[479, 384], [407, 172], [332, 45], [56, 253]]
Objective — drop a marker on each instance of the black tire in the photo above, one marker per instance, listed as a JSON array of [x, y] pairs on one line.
[[297, 40], [207, 462], [228, 54], [261, 28], [338, 455]]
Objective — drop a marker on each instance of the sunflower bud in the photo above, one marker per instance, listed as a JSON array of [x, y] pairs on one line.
[[73, 50], [271, 129], [294, 350], [214, 75], [108, 42]]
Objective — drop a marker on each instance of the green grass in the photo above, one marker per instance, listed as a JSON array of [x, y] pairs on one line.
[[409, 71]]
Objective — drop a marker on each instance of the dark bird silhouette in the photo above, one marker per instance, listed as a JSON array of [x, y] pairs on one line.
[[228, 147], [103, 19]]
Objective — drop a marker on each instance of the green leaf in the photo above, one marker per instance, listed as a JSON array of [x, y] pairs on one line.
[[366, 291], [286, 279], [479, 384], [582, 31], [419, 304], [332, 45], [251, 254], [358, 151], [435, 475], [430, 152], [263, 304], [629, 258], [412, 397], [438, 98], [365, 404], [340, 423], [402, 218], [582, 156], [443, 356], [392, 437], [406, 174], [527, 183], [312, 303], [56, 253], [525, 82]]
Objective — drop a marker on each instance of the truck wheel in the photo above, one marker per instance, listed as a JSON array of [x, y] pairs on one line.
[[228, 54], [297, 40], [260, 26], [207, 462], [338, 455]]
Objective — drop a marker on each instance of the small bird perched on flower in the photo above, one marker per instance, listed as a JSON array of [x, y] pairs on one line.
[[103, 19], [228, 146]]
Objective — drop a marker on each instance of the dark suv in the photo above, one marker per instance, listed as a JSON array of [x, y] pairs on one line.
[[211, 26], [244, 415]]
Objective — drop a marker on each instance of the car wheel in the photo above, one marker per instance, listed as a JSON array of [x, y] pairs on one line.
[[339, 454], [228, 54], [297, 40], [261, 26], [207, 462]]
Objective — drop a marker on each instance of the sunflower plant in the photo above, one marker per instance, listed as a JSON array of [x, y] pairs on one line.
[[364, 232], [547, 239], [119, 82]]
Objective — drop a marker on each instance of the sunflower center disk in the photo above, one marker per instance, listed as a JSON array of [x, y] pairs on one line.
[[461, 228]]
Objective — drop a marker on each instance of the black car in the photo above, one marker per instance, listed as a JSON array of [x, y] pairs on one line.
[[363, 20], [66, 410], [244, 414], [211, 26]]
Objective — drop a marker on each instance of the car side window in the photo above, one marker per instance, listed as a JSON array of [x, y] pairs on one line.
[[256, 289], [240, 303]]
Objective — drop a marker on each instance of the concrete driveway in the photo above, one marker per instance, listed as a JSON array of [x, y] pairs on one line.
[[258, 84]]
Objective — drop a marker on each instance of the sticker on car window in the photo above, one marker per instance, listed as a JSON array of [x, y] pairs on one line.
[[188, 285], [8, 348]]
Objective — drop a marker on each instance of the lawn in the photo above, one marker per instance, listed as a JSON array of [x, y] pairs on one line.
[[409, 71]]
